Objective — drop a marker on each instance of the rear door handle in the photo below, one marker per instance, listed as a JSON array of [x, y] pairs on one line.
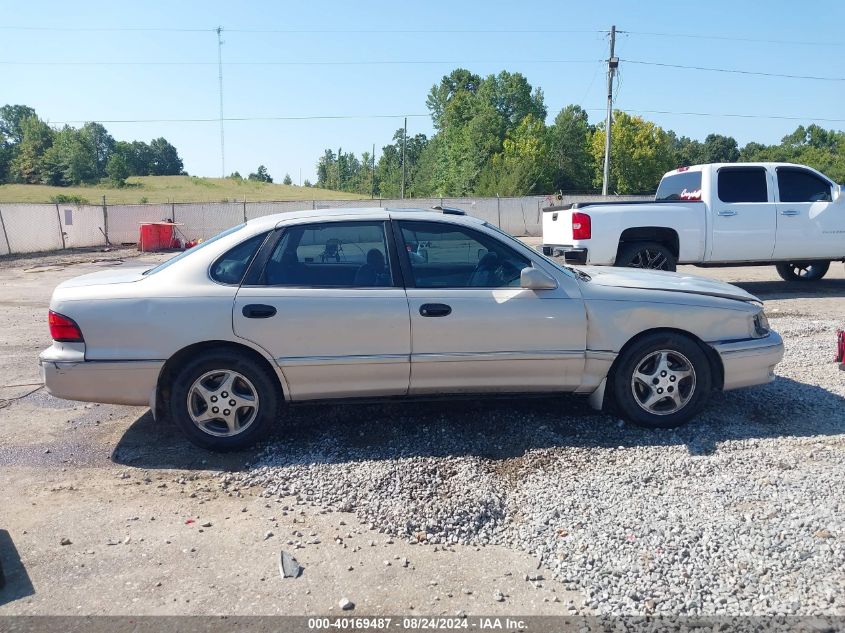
[[258, 311], [435, 310], [790, 212], [726, 214]]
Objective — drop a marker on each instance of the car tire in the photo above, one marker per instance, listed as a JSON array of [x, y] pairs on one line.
[[802, 271], [649, 255], [224, 401], [662, 364]]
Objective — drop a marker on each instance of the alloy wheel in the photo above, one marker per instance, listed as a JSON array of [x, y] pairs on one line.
[[651, 259], [222, 403], [663, 382]]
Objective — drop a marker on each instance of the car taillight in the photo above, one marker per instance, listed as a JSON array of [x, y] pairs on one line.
[[63, 329], [581, 228]]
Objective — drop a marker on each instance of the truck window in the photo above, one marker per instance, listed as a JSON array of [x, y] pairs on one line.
[[799, 185], [743, 184], [683, 186]]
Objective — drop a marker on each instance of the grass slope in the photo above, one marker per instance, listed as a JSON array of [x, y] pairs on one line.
[[173, 189]]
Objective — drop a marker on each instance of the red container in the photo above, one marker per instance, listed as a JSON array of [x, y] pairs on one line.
[[155, 236]]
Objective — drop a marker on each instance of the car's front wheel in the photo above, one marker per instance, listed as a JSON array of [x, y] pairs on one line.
[[224, 402], [661, 381], [802, 271]]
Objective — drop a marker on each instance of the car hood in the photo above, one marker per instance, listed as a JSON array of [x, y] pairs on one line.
[[106, 277], [661, 280]]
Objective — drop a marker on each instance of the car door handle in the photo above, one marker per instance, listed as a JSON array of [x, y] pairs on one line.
[[258, 311], [727, 214], [790, 212], [435, 310]]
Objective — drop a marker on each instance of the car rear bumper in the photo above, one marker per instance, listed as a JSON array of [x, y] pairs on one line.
[[750, 362], [570, 254], [111, 382]]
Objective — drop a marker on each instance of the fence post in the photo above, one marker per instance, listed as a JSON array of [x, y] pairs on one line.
[[61, 232], [313, 204], [173, 212], [5, 235], [106, 222], [244, 208], [499, 210]]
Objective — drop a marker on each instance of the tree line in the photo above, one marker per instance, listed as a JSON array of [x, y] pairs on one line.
[[33, 152], [491, 138]]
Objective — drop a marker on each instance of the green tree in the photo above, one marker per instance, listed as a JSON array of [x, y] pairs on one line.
[[28, 163], [287, 180], [70, 160], [97, 138], [719, 149], [164, 159], [11, 121], [117, 170], [261, 175], [641, 153], [524, 165], [570, 144]]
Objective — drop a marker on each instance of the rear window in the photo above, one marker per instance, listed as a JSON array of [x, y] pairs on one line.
[[743, 184], [682, 186], [191, 251]]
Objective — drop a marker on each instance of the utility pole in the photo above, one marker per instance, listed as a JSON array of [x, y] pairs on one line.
[[219, 30], [404, 143], [612, 65]]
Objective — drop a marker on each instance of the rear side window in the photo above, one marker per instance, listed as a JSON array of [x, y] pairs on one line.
[[683, 186], [230, 267], [797, 185], [331, 255], [743, 184]]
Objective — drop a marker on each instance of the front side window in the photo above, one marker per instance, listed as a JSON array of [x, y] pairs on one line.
[[230, 267], [798, 185], [331, 255], [743, 184], [448, 256]]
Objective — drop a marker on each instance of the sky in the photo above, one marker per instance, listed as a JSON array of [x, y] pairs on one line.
[[68, 60]]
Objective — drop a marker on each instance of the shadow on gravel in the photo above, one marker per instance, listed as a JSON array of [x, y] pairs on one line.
[[492, 429], [794, 289], [14, 581]]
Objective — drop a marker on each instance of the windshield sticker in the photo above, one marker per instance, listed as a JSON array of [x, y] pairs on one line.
[[695, 194]]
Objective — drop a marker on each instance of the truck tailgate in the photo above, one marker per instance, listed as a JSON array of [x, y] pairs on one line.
[[557, 227]]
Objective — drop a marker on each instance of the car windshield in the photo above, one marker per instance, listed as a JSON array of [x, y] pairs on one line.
[[191, 251]]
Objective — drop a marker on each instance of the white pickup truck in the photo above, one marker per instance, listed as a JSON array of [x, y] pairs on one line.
[[711, 215]]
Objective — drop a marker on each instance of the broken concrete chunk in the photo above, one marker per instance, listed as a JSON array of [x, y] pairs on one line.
[[346, 604], [288, 567]]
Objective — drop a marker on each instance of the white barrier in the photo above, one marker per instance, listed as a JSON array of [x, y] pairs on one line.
[[44, 227]]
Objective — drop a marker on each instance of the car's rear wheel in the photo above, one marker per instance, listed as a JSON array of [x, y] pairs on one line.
[[224, 402], [802, 271], [661, 381], [650, 255]]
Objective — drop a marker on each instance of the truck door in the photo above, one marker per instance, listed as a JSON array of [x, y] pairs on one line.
[[810, 224], [744, 221]]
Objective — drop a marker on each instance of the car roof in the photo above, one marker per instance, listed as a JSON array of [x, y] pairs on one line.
[[363, 213]]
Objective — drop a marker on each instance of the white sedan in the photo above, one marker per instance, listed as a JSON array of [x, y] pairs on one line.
[[363, 303]]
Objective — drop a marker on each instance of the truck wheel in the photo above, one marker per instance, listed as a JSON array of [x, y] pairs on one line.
[[647, 255], [802, 271], [224, 402], [661, 381]]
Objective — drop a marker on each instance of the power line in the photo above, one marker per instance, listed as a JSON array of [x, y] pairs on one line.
[[318, 117], [726, 38], [373, 62], [727, 114], [120, 29], [400, 116], [733, 70]]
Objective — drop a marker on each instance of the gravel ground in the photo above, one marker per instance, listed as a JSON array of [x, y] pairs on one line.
[[741, 512]]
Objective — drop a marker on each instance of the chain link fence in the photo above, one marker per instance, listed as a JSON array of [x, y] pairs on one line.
[[30, 228]]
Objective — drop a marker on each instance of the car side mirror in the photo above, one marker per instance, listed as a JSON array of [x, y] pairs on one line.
[[536, 279]]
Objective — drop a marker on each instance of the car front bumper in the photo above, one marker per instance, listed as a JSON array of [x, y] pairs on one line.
[[110, 382], [750, 362]]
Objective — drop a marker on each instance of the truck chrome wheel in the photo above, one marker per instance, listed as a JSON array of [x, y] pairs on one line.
[[222, 403], [647, 258], [663, 382]]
